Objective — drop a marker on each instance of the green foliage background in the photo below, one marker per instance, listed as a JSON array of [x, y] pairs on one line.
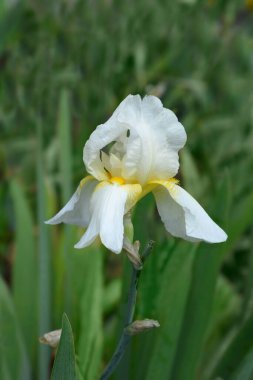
[[64, 67]]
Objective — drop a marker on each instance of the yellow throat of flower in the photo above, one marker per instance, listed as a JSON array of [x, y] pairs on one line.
[[141, 190], [117, 180]]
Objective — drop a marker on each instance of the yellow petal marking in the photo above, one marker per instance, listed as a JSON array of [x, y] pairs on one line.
[[117, 180], [169, 184], [133, 195], [135, 192], [85, 180]]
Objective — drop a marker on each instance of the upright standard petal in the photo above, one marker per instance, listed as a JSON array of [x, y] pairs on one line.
[[145, 139], [153, 142], [183, 216], [77, 210], [111, 131], [108, 205]]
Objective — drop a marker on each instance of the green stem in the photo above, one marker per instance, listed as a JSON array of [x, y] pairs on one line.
[[125, 337]]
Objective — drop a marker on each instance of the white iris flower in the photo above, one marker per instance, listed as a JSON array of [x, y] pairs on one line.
[[133, 153]]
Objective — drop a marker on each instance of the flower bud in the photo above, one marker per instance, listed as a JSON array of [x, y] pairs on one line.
[[138, 327], [51, 338], [132, 251]]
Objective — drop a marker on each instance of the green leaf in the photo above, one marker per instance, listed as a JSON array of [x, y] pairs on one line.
[[198, 309], [144, 211], [112, 294], [242, 219], [65, 365], [64, 134], [245, 370], [205, 273], [191, 178], [238, 348], [199, 303], [91, 304], [224, 312], [44, 273], [65, 166], [10, 20], [25, 286], [248, 291], [4, 372], [174, 289], [13, 356]]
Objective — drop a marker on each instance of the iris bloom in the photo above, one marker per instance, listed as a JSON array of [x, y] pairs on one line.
[[133, 153]]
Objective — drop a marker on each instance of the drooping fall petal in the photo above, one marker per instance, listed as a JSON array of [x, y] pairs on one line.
[[183, 216], [77, 210], [108, 205]]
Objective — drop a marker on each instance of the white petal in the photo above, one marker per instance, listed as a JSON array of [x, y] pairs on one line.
[[146, 138], [77, 210], [112, 163], [184, 217], [154, 141], [108, 132], [91, 233], [109, 203], [111, 227]]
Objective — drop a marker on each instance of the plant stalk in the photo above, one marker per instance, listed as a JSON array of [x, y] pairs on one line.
[[125, 337]]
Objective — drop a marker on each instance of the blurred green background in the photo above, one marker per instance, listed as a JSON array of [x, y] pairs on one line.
[[64, 67]]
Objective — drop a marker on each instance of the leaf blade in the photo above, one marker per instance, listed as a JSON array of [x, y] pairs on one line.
[[44, 273], [25, 284], [12, 348], [65, 365]]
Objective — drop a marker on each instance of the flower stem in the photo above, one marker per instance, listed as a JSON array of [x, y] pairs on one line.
[[125, 337]]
